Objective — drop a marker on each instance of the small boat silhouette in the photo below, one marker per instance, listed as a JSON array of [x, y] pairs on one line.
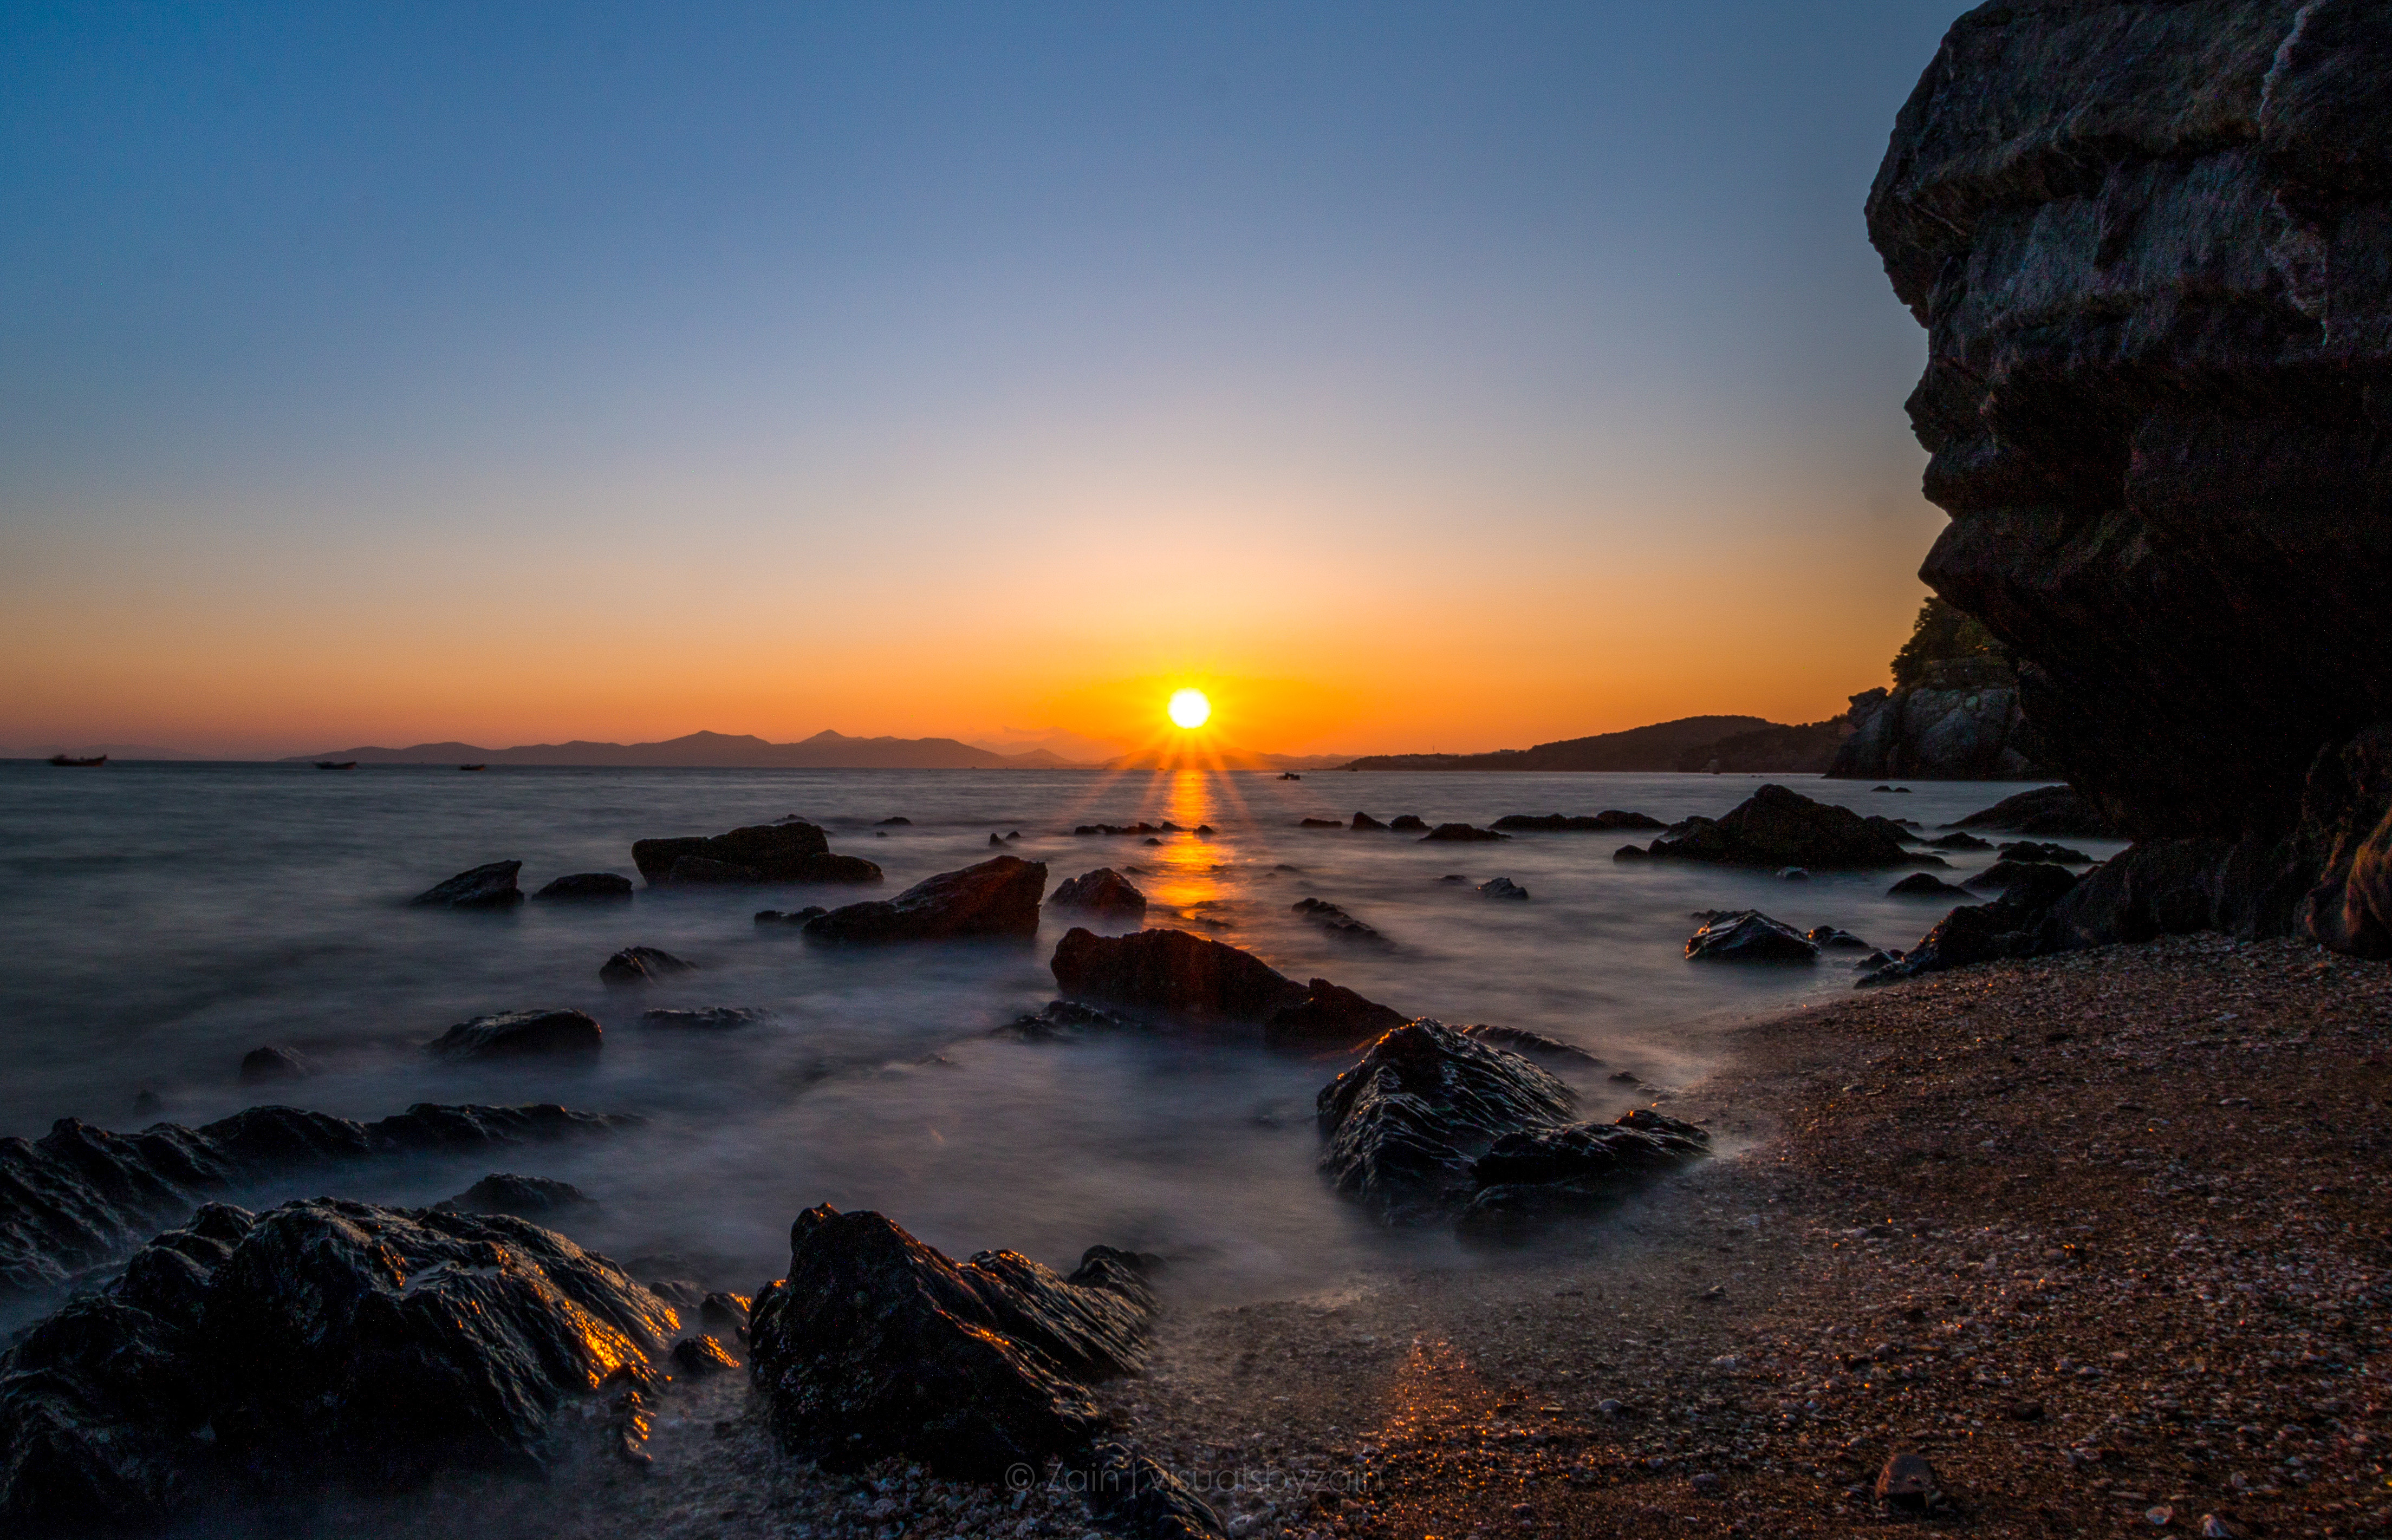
[[1289, 775], [336, 764], [473, 767], [69, 762]]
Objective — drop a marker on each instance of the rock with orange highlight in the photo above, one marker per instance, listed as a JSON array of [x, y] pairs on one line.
[[999, 897]]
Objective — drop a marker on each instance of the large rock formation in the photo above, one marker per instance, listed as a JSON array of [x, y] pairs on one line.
[[1961, 723], [80, 1195], [999, 897], [1779, 828], [2149, 242], [791, 850]]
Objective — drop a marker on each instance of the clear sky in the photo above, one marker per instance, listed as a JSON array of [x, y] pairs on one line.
[[1413, 377]]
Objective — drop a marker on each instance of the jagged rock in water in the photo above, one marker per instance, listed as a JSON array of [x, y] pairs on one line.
[[1407, 824], [642, 965], [1926, 884], [2028, 849], [1958, 841], [1748, 936], [1544, 1173], [2003, 875], [711, 1017], [588, 885], [1059, 1020], [491, 886], [318, 1345], [515, 1034], [1502, 887], [876, 1345], [1319, 823], [1172, 970], [1775, 827], [2045, 811], [1102, 891], [792, 850], [262, 1065], [1459, 834], [1337, 923], [1535, 1045], [788, 917], [725, 1313], [1828, 938], [80, 1195], [1364, 821], [1961, 723], [1601, 822], [2146, 241], [999, 897], [1405, 1124], [523, 1197], [893, 823], [1329, 1017]]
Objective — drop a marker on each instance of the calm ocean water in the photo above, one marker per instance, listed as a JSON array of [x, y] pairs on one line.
[[168, 918]]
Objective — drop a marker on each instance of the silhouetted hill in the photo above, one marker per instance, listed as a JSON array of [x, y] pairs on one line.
[[1657, 747], [715, 751]]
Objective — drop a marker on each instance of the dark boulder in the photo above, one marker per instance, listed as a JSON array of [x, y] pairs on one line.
[[1319, 823], [491, 886], [2017, 925], [321, 1345], [1407, 824], [1958, 841], [699, 1357], [999, 897], [1829, 938], [1172, 971], [2028, 849], [1627, 854], [262, 1065], [514, 1035], [1061, 1019], [2003, 875], [1748, 936], [642, 965], [709, 1017], [876, 1345], [893, 823], [792, 850], [1775, 827], [789, 916], [539, 1198], [1102, 891], [1502, 887], [80, 1195], [1329, 1016], [1459, 834], [1364, 821], [1543, 1173], [1926, 884], [1337, 923], [588, 885], [1535, 1045], [1405, 1124], [1601, 822], [2047, 811]]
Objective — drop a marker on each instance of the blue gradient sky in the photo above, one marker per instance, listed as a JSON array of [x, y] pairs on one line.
[[1415, 376]]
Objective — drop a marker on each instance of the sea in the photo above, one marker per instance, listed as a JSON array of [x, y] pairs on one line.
[[167, 918]]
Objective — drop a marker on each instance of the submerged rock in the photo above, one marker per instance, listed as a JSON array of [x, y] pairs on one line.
[[1926, 884], [491, 886], [523, 1197], [1459, 834], [1958, 841], [514, 1035], [1329, 1017], [1502, 887], [1336, 922], [588, 885], [790, 916], [2028, 849], [999, 897], [1102, 891], [1601, 822], [1059, 1020], [261, 1066], [710, 1017], [1405, 1124], [1365, 822], [1748, 936], [876, 1345], [320, 1345], [1407, 824], [642, 965], [1775, 827], [792, 850]]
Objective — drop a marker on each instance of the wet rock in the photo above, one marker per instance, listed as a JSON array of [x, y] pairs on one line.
[[264, 1359], [2028, 849], [1319, 823], [1502, 887], [1407, 824], [2017, 925], [1134, 1497], [1539, 1174], [1172, 971], [1102, 891], [893, 823], [1878, 959], [1601, 822], [1453, 876], [1927, 884], [588, 885], [1748, 936], [1775, 827], [2047, 811], [788, 916], [1828, 938], [1061, 1019], [1459, 834], [1337, 923], [536, 1198], [724, 1313], [1404, 1125], [1329, 1017], [642, 965], [1906, 1483], [1958, 841], [700, 1357], [514, 1034], [1364, 821], [2003, 875], [876, 1345], [792, 850], [999, 897], [1631, 853], [1535, 1045], [996, 841], [714, 1018], [491, 886], [262, 1065]]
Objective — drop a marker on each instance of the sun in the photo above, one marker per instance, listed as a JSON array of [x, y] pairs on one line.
[[1189, 708]]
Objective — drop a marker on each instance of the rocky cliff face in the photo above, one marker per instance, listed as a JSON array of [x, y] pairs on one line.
[[1961, 723], [2152, 243]]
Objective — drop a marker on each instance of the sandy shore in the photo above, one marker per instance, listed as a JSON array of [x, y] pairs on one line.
[[2102, 1236]]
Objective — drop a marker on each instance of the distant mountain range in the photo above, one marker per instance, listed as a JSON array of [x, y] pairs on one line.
[[1662, 747], [717, 751]]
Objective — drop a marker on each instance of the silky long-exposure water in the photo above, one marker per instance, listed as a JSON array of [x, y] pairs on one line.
[[168, 918]]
